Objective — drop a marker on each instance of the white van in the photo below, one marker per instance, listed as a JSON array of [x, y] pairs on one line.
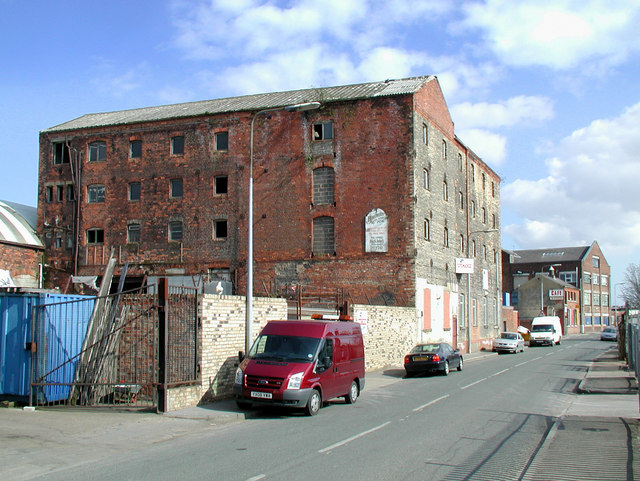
[[545, 330]]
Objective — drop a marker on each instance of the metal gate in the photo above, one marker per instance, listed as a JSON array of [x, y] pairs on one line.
[[124, 349]]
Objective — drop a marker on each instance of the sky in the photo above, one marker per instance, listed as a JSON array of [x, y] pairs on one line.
[[547, 93]]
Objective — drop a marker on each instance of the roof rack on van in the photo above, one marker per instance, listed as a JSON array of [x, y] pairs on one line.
[[331, 317]]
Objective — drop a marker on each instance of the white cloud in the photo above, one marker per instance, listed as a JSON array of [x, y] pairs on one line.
[[591, 190], [491, 147], [560, 35], [516, 110]]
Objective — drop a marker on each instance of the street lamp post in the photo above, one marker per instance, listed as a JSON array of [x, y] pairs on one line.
[[249, 310], [485, 231]]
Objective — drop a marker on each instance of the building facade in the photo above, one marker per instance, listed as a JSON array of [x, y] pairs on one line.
[[21, 251], [583, 267], [371, 195]]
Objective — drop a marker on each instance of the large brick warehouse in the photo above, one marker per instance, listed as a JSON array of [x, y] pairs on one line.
[[371, 195]]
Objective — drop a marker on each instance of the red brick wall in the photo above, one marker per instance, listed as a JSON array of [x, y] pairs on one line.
[[20, 260], [371, 156]]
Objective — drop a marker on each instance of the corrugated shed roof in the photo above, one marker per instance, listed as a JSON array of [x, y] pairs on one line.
[[247, 103], [17, 224], [550, 255]]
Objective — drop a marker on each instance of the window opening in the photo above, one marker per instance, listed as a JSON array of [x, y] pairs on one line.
[[133, 233], [220, 229], [175, 230], [60, 153], [220, 184], [96, 193], [97, 151], [222, 141], [177, 145], [95, 236], [135, 149], [134, 191], [323, 131], [176, 188]]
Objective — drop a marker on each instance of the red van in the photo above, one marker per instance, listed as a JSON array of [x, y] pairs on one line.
[[302, 364]]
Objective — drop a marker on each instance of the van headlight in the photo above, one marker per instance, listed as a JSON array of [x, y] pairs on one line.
[[295, 381], [239, 374]]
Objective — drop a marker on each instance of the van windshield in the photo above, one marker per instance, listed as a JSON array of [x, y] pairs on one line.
[[542, 327], [285, 348]]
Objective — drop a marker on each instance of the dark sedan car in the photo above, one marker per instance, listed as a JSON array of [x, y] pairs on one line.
[[432, 357]]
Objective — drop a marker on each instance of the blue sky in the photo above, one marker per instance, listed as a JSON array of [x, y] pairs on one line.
[[546, 92]]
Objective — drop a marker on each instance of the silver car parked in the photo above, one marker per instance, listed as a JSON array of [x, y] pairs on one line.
[[509, 342]]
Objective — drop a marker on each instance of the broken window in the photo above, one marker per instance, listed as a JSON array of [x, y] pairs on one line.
[[95, 193], [60, 153], [175, 230], [222, 141], [323, 186], [71, 193], [176, 188], [133, 232], [60, 193], [220, 184], [135, 149], [323, 236], [323, 131], [445, 237], [134, 190], [177, 145], [49, 194], [97, 151], [95, 236], [220, 229]]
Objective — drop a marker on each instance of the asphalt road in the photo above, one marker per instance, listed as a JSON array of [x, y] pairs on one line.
[[487, 422]]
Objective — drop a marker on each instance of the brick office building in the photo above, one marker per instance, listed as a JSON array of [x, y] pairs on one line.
[[583, 267], [371, 194]]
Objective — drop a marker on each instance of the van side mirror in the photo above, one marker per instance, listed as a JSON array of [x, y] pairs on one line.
[[240, 356]]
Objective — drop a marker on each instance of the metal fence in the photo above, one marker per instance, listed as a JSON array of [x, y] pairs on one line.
[[121, 349], [632, 339]]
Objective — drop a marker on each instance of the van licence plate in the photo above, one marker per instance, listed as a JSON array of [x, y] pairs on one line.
[[263, 395]]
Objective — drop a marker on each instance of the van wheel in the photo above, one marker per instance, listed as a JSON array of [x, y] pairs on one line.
[[352, 396], [244, 405], [314, 403], [445, 371]]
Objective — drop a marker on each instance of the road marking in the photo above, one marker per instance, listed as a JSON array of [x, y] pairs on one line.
[[536, 358], [499, 372], [521, 364], [473, 383], [420, 408], [258, 477], [352, 438]]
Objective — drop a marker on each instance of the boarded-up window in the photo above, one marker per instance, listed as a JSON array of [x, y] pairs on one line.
[[447, 310], [323, 186], [323, 236], [426, 322]]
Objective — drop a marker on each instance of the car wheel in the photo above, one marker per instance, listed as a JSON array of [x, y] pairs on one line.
[[460, 365], [352, 396], [314, 403], [445, 371]]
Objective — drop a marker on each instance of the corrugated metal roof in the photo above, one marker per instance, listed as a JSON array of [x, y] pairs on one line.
[[247, 103], [550, 255], [15, 226]]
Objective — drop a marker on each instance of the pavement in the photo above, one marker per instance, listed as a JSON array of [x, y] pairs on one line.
[[598, 436]]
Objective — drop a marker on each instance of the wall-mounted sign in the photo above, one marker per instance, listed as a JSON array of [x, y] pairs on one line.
[[555, 294], [485, 279], [464, 265], [376, 226]]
